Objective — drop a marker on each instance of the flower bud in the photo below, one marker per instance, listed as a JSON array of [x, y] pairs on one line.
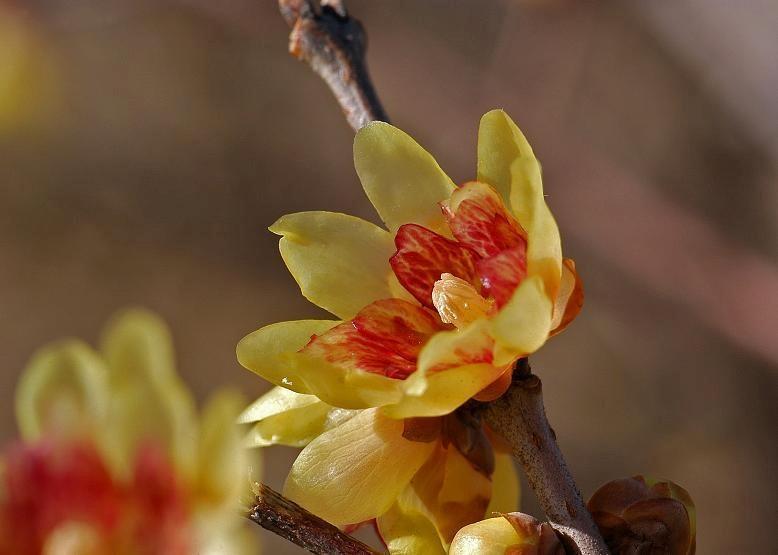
[[509, 534], [641, 515]]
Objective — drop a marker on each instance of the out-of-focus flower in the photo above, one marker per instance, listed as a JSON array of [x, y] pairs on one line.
[[27, 72], [465, 281], [420, 479], [113, 458], [509, 534], [434, 311], [642, 515]]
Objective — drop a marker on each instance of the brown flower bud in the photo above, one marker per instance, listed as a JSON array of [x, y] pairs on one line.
[[641, 516]]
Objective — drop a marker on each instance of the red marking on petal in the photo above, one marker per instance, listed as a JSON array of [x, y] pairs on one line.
[[479, 220], [384, 338], [423, 255], [47, 484], [501, 274]]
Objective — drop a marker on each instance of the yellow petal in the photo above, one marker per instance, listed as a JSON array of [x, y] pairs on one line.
[[427, 392], [276, 401], [401, 179], [284, 417], [493, 536], [222, 471], [448, 491], [265, 351], [137, 346], [523, 325], [506, 489], [355, 472], [407, 530], [340, 262], [143, 412], [271, 352], [63, 391], [149, 400], [570, 298], [506, 162], [344, 388]]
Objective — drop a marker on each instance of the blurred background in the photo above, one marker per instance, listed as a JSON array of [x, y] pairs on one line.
[[145, 146]]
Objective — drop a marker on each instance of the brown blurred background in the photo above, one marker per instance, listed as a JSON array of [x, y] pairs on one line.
[[146, 145]]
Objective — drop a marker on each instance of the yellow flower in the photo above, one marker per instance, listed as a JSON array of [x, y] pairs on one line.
[[420, 479], [435, 309], [509, 534], [113, 458]]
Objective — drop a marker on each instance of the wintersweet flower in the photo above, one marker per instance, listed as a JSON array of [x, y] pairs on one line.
[[643, 515], [420, 480], [509, 534], [112, 457], [433, 311]]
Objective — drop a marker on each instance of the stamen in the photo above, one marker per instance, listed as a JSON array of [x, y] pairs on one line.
[[458, 302]]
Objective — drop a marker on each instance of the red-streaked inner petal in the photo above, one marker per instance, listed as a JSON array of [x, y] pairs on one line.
[[384, 338], [501, 274], [423, 255], [479, 220]]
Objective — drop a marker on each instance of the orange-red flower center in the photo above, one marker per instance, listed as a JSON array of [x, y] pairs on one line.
[[479, 268], [47, 486]]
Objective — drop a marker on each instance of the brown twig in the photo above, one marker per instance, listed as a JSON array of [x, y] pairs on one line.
[[333, 44], [519, 416], [281, 516]]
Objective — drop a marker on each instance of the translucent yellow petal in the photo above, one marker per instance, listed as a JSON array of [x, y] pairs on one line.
[[523, 325], [340, 262], [295, 427], [444, 391], [137, 346], [401, 179], [407, 530], [276, 401], [348, 389], [266, 350], [271, 352], [144, 412], [222, 471], [570, 298], [427, 392], [493, 536], [506, 488], [448, 491], [74, 538], [63, 391], [355, 472], [284, 417], [506, 162]]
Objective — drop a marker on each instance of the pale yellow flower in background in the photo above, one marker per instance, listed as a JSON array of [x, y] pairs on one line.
[[114, 458]]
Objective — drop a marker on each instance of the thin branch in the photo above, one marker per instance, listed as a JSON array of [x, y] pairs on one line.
[[520, 417], [281, 516], [333, 44]]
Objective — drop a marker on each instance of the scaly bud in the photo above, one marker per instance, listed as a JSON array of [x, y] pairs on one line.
[[641, 515]]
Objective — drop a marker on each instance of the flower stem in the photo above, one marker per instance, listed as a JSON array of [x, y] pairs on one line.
[[276, 513], [333, 44], [519, 417]]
